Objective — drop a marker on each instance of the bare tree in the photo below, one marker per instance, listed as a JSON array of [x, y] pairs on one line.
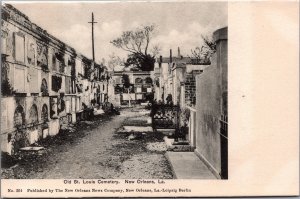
[[209, 44], [114, 61], [137, 44], [205, 52], [155, 50]]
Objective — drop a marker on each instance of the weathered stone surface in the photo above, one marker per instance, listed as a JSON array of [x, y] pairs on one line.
[[186, 165], [212, 104]]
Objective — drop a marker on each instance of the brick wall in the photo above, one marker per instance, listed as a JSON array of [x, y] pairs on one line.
[[190, 89]]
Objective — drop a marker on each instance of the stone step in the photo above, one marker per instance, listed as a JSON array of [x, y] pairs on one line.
[[136, 129], [186, 165], [37, 150], [166, 131], [29, 148], [173, 146]]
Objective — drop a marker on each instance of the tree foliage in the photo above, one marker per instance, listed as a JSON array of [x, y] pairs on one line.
[[143, 62], [126, 81], [137, 44]]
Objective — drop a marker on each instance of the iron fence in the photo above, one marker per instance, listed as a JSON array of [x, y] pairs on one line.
[[224, 146]]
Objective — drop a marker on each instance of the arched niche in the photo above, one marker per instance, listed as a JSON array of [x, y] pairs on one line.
[[138, 80], [54, 67], [148, 80], [19, 116], [44, 87], [33, 114], [45, 113]]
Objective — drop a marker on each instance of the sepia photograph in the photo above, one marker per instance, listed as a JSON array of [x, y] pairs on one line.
[[114, 90]]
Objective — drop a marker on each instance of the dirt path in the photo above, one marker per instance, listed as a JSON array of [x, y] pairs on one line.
[[100, 152]]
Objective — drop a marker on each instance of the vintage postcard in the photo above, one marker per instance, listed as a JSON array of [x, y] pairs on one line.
[[152, 99]]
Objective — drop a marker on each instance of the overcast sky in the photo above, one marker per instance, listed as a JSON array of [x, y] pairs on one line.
[[178, 24]]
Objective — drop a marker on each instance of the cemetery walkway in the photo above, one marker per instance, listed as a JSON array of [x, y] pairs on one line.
[[99, 152]]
